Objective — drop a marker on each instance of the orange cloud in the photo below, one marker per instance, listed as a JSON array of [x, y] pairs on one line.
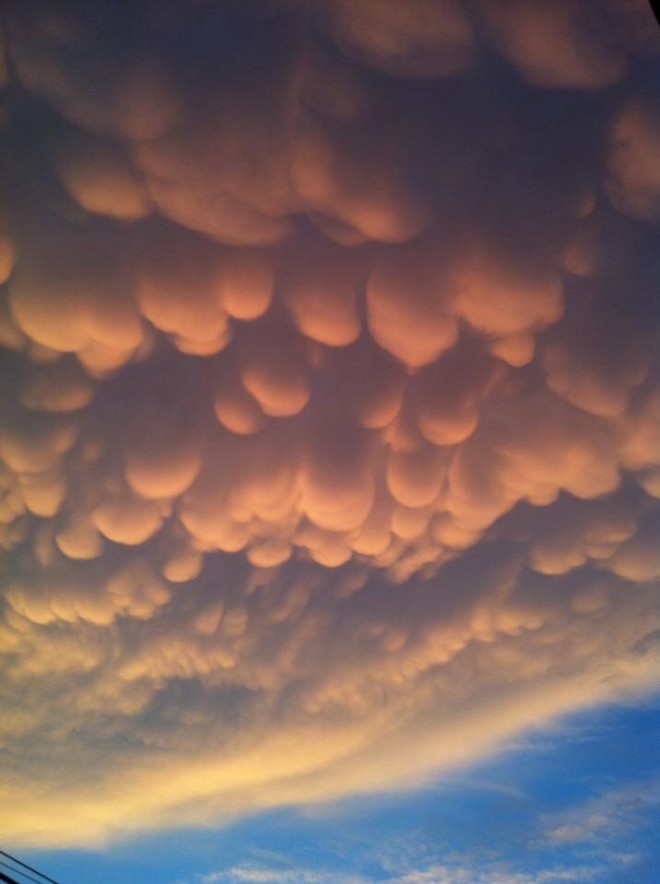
[[329, 411]]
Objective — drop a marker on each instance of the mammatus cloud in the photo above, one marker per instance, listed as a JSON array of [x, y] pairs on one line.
[[330, 418]]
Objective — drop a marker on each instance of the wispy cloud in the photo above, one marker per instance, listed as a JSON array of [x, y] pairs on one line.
[[253, 874], [437, 874], [471, 875], [605, 819]]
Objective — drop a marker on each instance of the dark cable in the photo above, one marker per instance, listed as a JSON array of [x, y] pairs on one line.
[[26, 866], [18, 872]]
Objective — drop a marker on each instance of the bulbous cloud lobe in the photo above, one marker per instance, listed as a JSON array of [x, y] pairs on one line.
[[329, 403]]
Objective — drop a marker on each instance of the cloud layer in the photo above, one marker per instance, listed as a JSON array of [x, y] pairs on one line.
[[330, 417]]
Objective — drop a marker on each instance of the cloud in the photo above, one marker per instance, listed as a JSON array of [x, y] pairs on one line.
[[329, 421], [454, 873], [269, 875], [602, 820], [466, 875]]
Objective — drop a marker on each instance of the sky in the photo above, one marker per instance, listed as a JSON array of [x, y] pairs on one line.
[[330, 440]]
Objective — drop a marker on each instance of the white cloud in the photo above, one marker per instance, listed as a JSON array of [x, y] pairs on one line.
[[254, 874], [607, 819]]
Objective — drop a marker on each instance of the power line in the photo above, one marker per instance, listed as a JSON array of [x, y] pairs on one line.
[[26, 866], [18, 872]]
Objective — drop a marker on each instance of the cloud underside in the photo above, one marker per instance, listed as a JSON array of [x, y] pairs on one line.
[[329, 403]]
